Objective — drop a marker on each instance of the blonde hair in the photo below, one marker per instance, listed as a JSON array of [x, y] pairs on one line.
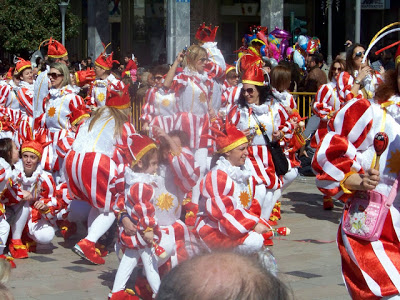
[[193, 54], [63, 70], [120, 117]]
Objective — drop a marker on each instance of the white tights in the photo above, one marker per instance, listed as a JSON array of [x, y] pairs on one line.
[[150, 261], [98, 223], [21, 217], [41, 231], [4, 232]]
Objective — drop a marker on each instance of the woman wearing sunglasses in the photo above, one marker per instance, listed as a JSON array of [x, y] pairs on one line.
[[358, 80], [159, 108], [58, 106], [327, 103], [346, 163], [257, 106], [198, 90]]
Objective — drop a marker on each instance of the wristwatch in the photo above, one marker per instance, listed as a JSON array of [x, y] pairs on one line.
[[357, 81]]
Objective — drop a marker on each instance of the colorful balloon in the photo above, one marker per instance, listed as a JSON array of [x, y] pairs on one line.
[[299, 59], [303, 41], [280, 33]]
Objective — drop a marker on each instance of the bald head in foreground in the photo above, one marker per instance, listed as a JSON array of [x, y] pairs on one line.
[[221, 275]]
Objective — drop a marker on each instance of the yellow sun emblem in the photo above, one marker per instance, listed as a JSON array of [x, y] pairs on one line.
[[165, 201], [165, 102], [101, 97], [52, 111], [244, 198], [203, 98], [394, 161]]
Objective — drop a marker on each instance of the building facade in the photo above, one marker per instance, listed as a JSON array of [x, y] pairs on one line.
[[141, 26]]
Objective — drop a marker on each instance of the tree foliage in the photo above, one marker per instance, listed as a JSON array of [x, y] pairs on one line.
[[26, 23]]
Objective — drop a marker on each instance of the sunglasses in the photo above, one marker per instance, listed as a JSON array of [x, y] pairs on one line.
[[54, 75], [336, 69], [158, 78], [249, 91], [360, 53]]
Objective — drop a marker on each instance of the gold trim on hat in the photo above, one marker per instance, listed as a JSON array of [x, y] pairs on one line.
[[142, 153], [235, 144], [34, 151]]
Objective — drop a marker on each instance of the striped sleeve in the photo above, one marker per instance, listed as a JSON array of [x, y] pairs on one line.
[[25, 98], [322, 106], [345, 83], [336, 155], [148, 106], [222, 206], [4, 94], [186, 170], [141, 196]]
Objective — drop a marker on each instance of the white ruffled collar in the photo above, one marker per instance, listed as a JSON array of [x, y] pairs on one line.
[[110, 78], [238, 174], [65, 90], [202, 77], [280, 96], [28, 181], [259, 109], [132, 177], [24, 84]]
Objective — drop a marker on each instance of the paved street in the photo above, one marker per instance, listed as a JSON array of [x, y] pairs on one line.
[[308, 259]]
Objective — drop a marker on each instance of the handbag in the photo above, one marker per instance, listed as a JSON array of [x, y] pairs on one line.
[[278, 157], [366, 213]]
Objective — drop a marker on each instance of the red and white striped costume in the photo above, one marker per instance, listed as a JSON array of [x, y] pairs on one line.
[[159, 109], [195, 93], [284, 98], [54, 122], [272, 116], [25, 98], [367, 90], [42, 187], [7, 177], [170, 196], [139, 203], [327, 103], [8, 95], [371, 269], [89, 167], [230, 96], [99, 90], [227, 218]]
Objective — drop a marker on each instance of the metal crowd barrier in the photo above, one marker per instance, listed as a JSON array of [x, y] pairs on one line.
[[304, 102]]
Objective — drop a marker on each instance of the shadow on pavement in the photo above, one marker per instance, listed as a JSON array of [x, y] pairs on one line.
[[310, 204]]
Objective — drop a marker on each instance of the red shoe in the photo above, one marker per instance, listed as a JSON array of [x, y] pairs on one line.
[[17, 249], [328, 203], [9, 259], [272, 223], [276, 211], [67, 228], [127, 294], [87, 250], [101, 250], [268, 242]]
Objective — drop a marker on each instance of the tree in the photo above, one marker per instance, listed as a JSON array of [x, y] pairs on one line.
[[26, 23]]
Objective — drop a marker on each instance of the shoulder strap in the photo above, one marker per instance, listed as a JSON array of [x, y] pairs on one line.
[[264, 133]]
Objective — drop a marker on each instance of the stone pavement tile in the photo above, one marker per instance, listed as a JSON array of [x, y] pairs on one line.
[[306, 291]]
